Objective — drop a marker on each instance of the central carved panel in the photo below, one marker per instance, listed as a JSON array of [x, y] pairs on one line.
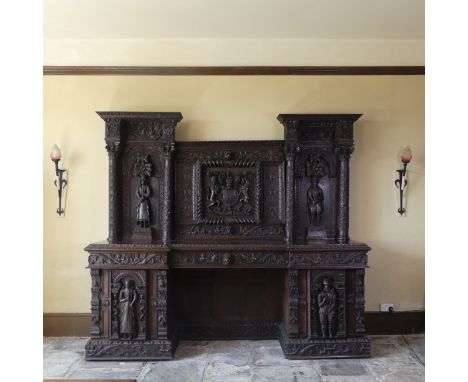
[[227, 191]]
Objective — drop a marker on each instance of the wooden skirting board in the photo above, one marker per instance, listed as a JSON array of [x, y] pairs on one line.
[[236, 70], [77, 324]]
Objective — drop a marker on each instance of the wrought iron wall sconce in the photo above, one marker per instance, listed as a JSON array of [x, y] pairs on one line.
[[60, 183], [402, 181]]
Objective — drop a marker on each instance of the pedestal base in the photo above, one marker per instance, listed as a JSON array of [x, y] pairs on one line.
[[132, 350], [356, 347], [142, 235]]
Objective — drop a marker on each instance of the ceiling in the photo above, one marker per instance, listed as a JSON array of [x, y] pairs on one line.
[[225, 19]]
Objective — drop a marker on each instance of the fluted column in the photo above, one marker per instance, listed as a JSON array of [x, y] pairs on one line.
[[168, 207], [343, 154]]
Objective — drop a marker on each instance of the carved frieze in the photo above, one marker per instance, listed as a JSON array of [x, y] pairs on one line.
[[351, 347], [127, 259], [227, 191], [154, 129], [328, 258], [105, 349], [229, 258]]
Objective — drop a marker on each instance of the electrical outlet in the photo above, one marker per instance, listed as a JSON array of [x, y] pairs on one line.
[[386, 308]]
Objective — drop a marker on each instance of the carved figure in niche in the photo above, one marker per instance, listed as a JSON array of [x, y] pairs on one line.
[[143, 168], [127, 298], [143, 211], [229, 195], [315, 170], [213, 191], [327, 308]]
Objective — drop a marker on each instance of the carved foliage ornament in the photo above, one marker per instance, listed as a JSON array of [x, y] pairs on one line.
[[151, 129], [127, 259]]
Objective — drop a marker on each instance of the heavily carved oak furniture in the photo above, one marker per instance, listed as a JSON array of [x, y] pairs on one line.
[[224, 240]]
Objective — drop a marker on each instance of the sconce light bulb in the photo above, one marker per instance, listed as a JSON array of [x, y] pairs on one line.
[[55, 153], [406, 155]]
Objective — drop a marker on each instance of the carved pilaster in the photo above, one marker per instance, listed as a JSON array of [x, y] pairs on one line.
[[293, 288], [360, 303], [168, 208], [113, 150], [95, 303], [162, 304], [290, 151], [142, 312], [343, 153]]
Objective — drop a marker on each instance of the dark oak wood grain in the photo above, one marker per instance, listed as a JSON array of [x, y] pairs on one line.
[[227, 239]]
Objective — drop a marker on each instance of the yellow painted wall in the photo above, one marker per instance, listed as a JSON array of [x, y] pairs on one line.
[[223, 108]]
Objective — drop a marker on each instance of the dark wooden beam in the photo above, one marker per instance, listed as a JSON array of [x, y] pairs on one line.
[[236, 70]]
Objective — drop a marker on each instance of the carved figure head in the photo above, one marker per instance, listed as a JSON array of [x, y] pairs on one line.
[[326, 284], [127, 283]]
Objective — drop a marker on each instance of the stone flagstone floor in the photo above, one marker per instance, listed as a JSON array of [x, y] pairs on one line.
[[394, 358]]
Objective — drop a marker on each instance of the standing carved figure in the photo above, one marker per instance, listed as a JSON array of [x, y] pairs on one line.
[[213, 191], [127, 298], [315, 170], [327, 308], [315, 203], [143, 213]]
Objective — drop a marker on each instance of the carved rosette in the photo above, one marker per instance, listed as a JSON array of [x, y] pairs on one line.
[[95, 303], [161, 277]]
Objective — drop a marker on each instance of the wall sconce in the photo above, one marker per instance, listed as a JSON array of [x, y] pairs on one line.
[[402, 182], [60, 183]]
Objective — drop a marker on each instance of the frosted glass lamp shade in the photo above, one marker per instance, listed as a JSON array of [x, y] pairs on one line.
[[55, 153], [406, 155]]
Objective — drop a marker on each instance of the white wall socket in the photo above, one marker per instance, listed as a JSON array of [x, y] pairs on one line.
[[386, 307]]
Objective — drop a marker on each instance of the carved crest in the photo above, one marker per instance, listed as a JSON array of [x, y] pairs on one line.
[[227, 191]]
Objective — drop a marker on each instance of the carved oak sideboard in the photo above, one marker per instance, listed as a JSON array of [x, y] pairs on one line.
[[227, 240]]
